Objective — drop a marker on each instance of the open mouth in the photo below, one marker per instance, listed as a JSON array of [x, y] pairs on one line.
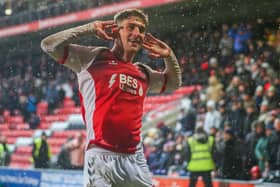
[[135, 42]]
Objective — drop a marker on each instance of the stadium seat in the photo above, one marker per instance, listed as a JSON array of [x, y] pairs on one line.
[[24, 150], [18, 158], [54, 118], [4, 127], [15, 119], [21, 126], [38, 133], [59, 126], [56, 142], [42, 108], [55, 150], [44, 125], [11, 140], [64, 134], [18, 133], [20, 165], [68, 102], [68, 110], [23, 141]]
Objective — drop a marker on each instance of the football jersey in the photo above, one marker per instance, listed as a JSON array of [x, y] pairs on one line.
[[112, 94]]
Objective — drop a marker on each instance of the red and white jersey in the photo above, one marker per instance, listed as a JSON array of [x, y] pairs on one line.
[[112, 94]]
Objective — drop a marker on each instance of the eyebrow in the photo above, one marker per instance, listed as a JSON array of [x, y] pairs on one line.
[[141, 26]]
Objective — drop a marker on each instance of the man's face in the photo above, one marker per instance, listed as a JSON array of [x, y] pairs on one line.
[[277, 124], [132, 33]]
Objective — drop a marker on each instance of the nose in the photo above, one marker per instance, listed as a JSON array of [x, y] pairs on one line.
[[136, 31]]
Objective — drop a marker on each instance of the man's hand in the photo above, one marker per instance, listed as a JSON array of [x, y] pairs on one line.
[[156, 47], [105, 29]]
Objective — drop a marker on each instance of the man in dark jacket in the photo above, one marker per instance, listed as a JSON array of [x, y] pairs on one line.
[[273, 147], [232, 163], [237, 118], [251, 141], [41, 152]]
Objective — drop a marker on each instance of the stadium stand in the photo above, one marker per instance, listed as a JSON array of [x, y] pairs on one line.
[[23, 11]]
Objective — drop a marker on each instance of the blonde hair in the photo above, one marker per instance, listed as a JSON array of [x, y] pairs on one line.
[[127, 13]]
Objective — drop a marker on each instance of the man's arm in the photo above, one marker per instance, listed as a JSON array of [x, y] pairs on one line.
[[171, 78], [61, 48]]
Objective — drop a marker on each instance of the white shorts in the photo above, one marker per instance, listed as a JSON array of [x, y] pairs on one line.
[[104, 168]]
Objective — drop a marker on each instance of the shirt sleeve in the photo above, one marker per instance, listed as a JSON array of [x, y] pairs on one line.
[[78, 58]]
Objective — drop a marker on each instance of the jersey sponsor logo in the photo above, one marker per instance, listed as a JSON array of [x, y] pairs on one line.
[[129, 84], [128, 80], [112, 80]]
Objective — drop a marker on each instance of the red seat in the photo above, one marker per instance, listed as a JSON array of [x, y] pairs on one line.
[[15, 119], [64, 134], [18, 133], [24, 150], [4, 127], [44, 125], [68, 110], [20, 165], [56, 142], [42, 108], [11, 140], [54, 118], [68, 102], [20, 158], [22, 126], [55, 150]]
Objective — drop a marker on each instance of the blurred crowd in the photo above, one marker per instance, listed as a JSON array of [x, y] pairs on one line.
[[238, 66], [29, 10], [26, 82], [238, 105]]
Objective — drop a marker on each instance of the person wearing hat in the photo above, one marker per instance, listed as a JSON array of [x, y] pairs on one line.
[[251, 140], [200, 151], [41, 152], [212, 118], [232, 163]]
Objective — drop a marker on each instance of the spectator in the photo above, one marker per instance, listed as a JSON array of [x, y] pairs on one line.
[[237, 118], [34, 121], [212, 118], [226, 49], [41, 152], [261, 148], [76, 149], [258, 97], [272, 99], [4, 152], [214, 89], [251, 115], [200, 149], [63, 160], [187, 122], [240, 40], [164, 160], [232, 162], [273, 147], [251, 141], [224, 114]]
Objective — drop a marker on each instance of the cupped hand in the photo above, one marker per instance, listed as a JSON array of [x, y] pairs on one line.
[[155, 47], [105, 29]]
